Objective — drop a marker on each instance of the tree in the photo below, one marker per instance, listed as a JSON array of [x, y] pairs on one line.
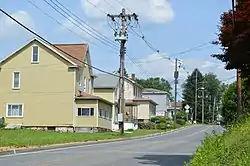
[[229, 105], [157, 83], [235, 40], [229, 100], [212, 92], [189, 92]]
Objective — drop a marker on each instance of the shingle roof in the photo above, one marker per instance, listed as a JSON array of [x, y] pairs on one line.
[[78, 51], [178, 104], [152, 90], [106, 81]]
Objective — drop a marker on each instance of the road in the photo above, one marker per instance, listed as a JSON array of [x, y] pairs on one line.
[[171, 149]]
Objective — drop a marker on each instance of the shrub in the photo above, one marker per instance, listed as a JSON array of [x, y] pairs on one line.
[[230, 148], [161, 126], [2, 123], [160, 118], [147, 126], [180, 121]]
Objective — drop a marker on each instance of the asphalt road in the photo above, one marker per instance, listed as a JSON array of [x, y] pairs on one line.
[[171, 149]]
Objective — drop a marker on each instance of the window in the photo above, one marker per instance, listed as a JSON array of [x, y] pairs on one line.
[[16, 80], [85, 112], [35, 56], [14, 110]]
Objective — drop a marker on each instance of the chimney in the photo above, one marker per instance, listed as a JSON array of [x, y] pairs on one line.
[[133, 77]]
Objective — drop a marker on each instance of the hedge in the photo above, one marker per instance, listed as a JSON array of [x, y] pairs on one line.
[[231, 148]]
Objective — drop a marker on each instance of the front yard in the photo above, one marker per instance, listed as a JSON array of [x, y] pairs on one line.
[[33, 138]]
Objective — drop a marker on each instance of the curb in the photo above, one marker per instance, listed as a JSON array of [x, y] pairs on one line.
[[76, 144]]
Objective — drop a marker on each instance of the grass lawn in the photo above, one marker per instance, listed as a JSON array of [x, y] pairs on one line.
[[32, 138]]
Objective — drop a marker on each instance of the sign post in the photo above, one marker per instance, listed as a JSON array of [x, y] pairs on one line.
[[187, 107]]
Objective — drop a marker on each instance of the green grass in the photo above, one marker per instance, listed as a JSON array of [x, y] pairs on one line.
[[229, 149], [31, 138]]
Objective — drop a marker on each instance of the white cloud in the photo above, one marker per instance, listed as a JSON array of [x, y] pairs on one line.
[[157, 66], [159, 11], [9, 28]]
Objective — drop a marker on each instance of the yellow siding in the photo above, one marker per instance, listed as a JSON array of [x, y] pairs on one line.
[[106, 121], [87, 121], [46, 89], [84, 73], [107, 94]]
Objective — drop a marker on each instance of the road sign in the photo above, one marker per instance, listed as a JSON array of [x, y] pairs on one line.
[[187, 107]]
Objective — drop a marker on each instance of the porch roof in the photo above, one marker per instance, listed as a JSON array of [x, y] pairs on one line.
[[86, 96]]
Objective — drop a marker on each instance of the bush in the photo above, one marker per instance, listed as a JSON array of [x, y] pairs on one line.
[[181, 121], [2, 123], [160, 118], [230, 148], [148, 126], [161, 126]]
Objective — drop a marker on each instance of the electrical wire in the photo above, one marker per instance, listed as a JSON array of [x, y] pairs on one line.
[[105, 43], [46, 41], [94, 30], [53, 19]]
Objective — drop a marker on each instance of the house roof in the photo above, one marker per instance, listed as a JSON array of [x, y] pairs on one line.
[[75, 52], [178, 104], [106, 81], [90, 96], [110, 81], [152, 90], [72, 53], [144, 99]]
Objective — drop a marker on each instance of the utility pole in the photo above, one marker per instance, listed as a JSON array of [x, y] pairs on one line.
[[176, 75], [203, 97], [214, 108], [239, 83], [121, 36], [196, 89], [209, 104]]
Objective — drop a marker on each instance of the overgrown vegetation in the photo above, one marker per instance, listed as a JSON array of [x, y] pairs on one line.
[[229, 149], [2, 122], [29, 138]]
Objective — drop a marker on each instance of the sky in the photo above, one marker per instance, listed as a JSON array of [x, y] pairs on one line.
[[169, 26]]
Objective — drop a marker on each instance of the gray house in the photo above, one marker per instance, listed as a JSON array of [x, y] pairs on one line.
[[160, 97]]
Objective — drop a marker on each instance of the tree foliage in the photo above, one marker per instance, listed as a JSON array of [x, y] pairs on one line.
[[229, 103], [157, 83], [212, 92], [188, 92], [235, 40]]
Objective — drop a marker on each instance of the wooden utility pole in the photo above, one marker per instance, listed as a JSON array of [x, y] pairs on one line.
[[121, 36], [196, 89], [176, 75], [203, 98], [239, 83]]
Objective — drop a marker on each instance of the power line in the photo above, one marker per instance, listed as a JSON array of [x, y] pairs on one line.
[[64, 25], [130, 58], [94, 30], [46, 41], [80, 27]]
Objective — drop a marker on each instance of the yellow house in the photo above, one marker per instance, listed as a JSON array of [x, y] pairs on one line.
[[49, 87], [137, 108]]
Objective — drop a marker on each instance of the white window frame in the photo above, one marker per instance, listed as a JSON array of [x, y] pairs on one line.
[[32, 60], [7, 106], [13, 80], [89, 115]]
